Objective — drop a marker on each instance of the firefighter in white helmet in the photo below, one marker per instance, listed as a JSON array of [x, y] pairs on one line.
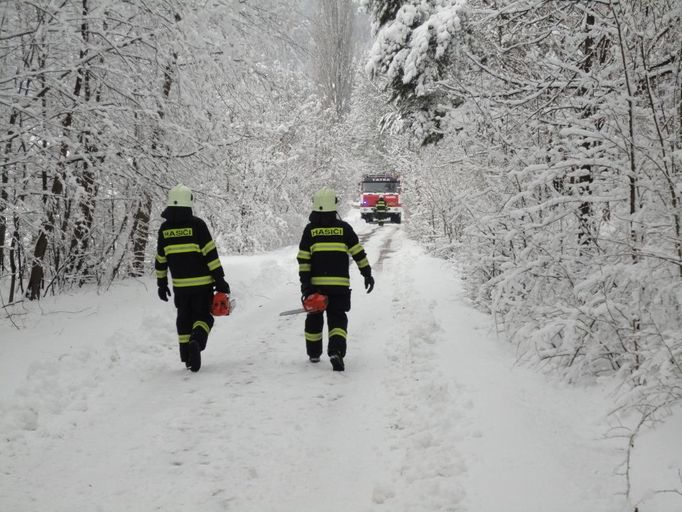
[[186, 249], [323, 268]]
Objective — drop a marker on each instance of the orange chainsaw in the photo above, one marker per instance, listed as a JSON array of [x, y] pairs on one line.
[[313, 303], [222, 304]]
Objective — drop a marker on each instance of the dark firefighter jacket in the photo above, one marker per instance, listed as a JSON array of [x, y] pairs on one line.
[[323, 254], [185, 247], [380, 205]]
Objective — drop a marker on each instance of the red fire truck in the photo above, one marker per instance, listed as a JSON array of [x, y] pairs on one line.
[[374, 186]]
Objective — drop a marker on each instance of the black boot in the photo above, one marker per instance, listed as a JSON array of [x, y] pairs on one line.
[[193, 356], [337, 362], [184, 354]]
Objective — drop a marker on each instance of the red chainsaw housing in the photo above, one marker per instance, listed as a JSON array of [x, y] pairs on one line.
[[315, 303], [221, 304]]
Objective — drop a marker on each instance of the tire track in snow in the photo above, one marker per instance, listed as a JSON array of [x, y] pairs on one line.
[[386, 249], [364, 237], [430, 463]]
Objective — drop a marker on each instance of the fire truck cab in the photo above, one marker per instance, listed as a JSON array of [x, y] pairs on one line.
[[374, 186]]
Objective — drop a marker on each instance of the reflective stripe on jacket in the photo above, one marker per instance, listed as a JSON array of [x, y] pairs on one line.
[[186, 248], [323, 256]]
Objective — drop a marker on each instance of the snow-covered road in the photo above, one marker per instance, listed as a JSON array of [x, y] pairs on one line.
[[431, 414]]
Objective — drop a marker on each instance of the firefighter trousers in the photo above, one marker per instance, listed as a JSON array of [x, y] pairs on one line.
[[337, 323], [194, 320]]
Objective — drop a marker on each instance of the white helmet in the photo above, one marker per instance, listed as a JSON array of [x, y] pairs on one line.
[[180, 195], [324, 200]]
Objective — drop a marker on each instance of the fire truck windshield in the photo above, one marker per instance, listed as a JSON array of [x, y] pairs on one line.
[[385, 187]]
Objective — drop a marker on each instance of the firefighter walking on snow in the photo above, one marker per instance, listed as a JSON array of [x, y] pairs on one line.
[[380, 205], [380, 210], [323, 268], [185, 247]]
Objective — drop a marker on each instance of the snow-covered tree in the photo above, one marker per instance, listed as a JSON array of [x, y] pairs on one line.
[[109, 104], [334, 52], [557, 164]]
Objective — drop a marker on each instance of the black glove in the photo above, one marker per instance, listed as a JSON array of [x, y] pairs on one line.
[[164, 291], [221, 285], [306, 290], [369, 283]]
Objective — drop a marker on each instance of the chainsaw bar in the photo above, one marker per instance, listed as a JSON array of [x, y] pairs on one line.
[[293, 312], [313, 303]]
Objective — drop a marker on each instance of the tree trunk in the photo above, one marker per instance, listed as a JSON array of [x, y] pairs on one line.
[[35, 281], [584, 180], [4, 183], [335, 53], [85, 177], [595, 53], [13, 257], [37, 265], [140, 231], [3, 220], [86, 206], [632, 176], [140, 234]]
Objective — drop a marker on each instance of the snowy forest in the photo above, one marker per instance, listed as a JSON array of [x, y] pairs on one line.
[[539, 144]]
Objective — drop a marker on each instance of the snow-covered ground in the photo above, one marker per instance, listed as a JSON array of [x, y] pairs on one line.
[[432, 413]]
